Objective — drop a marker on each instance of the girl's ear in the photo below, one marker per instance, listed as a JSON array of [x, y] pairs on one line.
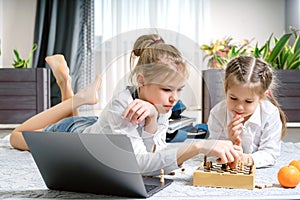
[[140, 79]]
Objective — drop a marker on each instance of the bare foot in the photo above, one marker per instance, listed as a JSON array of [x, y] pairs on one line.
[[60, 71], [89, 95], [59, 68]]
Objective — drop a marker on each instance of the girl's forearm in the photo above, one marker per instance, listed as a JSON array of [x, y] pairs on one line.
[[222, 149], [187, 152]]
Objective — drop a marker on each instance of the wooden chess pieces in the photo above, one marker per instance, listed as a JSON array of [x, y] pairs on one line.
[[221, 175]]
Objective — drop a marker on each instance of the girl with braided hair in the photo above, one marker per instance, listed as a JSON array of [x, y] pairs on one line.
[[141, 111], [250, 116]]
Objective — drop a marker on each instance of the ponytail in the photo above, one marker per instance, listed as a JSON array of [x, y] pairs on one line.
[[282, 114]]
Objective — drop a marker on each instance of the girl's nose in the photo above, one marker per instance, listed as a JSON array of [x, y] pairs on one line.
[[174, 97], [239, 107]]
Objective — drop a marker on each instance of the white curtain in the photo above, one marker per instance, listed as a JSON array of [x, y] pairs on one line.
[[118, 23]]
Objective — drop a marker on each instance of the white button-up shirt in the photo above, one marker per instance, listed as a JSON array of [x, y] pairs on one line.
[[261, 133], [150, 163]]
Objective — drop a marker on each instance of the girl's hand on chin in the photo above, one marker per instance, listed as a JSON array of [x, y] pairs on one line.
[[138, 110], [235, 128]]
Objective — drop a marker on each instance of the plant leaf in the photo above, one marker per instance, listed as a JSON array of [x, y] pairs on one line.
[[27, 62], [256, 52], [296, 44], [16, 54], [219, 60], [205, 47], [295, 65], [279, 47], [265, 50]]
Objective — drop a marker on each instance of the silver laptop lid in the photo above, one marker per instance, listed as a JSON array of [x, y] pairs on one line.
[[95, 163]]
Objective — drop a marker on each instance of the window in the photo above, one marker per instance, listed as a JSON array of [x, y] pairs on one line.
[[119, 23]]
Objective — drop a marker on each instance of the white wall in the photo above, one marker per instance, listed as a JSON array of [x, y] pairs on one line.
[[247, 19], [292, 14], [241, 19], [18, 18]]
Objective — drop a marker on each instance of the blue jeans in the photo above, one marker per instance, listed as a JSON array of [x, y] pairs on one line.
[[75, 124]]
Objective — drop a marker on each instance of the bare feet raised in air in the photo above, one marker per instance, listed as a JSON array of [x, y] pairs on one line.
[[89, 95], [59, 67], [60, 71]]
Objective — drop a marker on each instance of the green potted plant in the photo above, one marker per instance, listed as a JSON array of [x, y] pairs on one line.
[[283, 54], [24, 91], [22, 63], [219, 52]]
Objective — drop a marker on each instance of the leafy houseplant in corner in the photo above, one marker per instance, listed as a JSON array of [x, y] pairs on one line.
[[24, 91], [218, 53], [21, 63], [284, 58]]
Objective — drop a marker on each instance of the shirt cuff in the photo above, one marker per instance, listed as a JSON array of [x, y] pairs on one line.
[[262, 159], [166, 159]]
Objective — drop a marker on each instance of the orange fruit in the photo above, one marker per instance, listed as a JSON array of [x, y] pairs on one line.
[[295, 163], [288, 176]]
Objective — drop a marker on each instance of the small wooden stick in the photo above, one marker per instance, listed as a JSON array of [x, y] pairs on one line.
[[183, 171], [268, 185], [205, 159], [259, 186]]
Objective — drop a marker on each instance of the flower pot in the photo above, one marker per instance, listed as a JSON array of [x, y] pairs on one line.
[[288, 93], [212, 90], [23, 93]]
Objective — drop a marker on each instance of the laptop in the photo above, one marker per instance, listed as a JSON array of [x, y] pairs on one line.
[[93, 163]]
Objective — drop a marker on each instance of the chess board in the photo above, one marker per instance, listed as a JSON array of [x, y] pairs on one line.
[[217, 175]]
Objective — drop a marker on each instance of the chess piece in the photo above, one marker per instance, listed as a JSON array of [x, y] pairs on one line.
[[162, 177]]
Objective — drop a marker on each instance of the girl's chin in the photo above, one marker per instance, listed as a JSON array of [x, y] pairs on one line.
[[161, 109], [164, 111], [168, 109]]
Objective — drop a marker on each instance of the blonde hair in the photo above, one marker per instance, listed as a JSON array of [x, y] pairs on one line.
[[258, 76], [155, 59]]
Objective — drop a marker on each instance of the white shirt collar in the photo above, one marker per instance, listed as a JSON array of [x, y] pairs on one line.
[[256, 116]]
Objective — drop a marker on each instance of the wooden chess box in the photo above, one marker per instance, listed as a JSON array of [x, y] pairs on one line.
[[216, 176]]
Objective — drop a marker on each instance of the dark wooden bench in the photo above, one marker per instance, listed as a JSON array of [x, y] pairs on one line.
[[23, 93]]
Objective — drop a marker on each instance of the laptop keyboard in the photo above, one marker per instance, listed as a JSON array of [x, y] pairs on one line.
[[150, 187]]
